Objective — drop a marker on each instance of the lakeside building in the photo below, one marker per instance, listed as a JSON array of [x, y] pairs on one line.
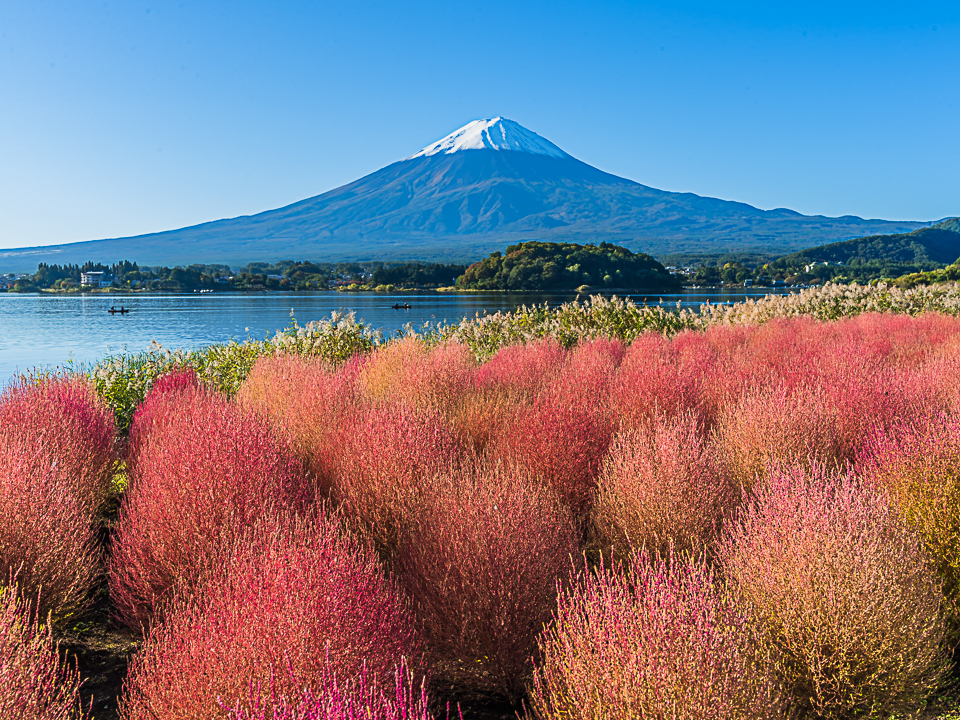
[[824, 263], [96, 278]]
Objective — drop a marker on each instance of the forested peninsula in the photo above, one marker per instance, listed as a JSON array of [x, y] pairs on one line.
[[566, 266]]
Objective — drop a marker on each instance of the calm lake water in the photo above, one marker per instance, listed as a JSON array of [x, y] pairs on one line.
[[50, 330]]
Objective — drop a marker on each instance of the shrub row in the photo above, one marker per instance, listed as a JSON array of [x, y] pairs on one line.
[[750, 521]]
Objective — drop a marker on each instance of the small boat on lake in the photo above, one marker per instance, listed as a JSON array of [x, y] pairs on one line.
[[398, 306], [122, 310]]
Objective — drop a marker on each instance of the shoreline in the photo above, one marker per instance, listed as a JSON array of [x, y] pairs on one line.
[[407, 290]]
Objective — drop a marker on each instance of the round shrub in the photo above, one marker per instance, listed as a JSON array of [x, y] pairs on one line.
[[306, 401], [821, 423], [422, 377], [47, 538], [524, 370], [555, 445], [62, 425], [654, 640], [663, 377], [584, 380], [157, 400], [294, 603], [919, 466], [661, 488], [479, 416], [481, 557], [385, 456], [841, 593], [205, 470]]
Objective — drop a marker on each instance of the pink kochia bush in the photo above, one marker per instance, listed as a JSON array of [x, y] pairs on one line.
[[841, 594], [481, 559], [295, 606], [585, 378], [418, 376], [659, 377], [173, 383], [823, 420], [525, 370], [60, 424], [655, 640], [35, 684], [661, 488], [56, 457], [204, 471], [355, 699], [507, 383]]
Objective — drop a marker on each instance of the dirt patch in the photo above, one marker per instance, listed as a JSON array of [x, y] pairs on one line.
[[101, 650]]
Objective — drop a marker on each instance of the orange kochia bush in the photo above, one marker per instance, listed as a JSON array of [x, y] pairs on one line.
[[841, 593]]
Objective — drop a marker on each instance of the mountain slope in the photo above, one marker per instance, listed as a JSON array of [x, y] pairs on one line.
[[487, 185], [936, 245]]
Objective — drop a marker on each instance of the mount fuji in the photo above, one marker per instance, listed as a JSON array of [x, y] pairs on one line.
[[489, 184]]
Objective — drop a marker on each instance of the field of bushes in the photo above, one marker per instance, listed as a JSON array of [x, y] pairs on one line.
[[578, 513]]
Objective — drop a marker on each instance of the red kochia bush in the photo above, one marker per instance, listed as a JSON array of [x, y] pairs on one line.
[[513, 378], [174, 382], [46, 535], [556, 445], [940, 376], [655, 640], [294, 604], [841, 593], [203, 473], [662, 487], [385, 456], [825, 421], [62, 424], [356, 699], [178, 379], [481, 558], [523, 369], [584, 380], [35, 684], [661, 377]]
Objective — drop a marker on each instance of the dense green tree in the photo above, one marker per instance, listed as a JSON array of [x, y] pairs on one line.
[[566, 266], [418, 275]]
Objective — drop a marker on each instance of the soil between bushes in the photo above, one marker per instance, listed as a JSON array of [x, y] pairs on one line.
[[101, 650]]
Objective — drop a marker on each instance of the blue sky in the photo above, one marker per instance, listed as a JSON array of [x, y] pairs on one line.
[[121, 118]]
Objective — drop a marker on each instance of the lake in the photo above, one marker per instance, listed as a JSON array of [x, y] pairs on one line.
[[50, 330]]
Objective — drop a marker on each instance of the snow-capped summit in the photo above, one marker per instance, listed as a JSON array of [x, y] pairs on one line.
[[492, 134]]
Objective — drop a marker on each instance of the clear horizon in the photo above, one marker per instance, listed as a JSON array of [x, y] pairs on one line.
[[125, 119]]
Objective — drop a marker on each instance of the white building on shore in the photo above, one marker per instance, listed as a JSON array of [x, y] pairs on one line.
[[96, 278]]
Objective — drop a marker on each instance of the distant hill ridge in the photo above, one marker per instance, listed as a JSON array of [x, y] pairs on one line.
[[938, 244], [488, 184]]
